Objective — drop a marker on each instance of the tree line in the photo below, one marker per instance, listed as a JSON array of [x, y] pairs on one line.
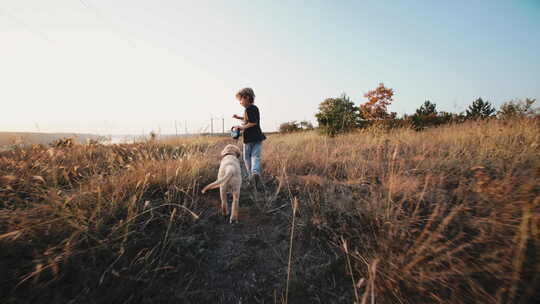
[[340, 114]]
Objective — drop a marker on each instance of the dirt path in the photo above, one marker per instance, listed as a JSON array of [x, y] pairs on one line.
[[247, 262]]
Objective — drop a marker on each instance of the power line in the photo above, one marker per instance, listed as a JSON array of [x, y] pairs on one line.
[[104, 20], [25, 25]]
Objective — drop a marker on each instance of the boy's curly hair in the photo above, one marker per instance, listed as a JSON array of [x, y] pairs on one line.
[[246, 93]]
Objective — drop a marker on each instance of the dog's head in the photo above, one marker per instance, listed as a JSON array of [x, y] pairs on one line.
[[231, 149]]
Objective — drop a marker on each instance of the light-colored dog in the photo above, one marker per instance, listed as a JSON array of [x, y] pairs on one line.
[[229, 180]]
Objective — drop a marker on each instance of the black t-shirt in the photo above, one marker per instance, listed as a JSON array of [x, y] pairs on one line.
[[254, 133]]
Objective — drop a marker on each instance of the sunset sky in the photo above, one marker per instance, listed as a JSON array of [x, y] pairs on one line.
[[131, 66]]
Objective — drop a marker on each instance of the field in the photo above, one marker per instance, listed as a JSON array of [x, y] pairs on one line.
[[446, 215], [29, 138]]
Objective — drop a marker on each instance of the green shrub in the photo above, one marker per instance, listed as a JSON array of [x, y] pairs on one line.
[[517, 108], [480, 109], [337, 115], [294, 126]]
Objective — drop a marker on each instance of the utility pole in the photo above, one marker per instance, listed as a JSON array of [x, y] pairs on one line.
[[223, 124], [176, 128], [185, 126], [212, 125]]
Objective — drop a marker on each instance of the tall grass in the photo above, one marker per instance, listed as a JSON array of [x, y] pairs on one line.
[[66, 209], [448, 215]]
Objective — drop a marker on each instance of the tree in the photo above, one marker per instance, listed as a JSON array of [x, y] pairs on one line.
[[426, 115], [427, 109], [306, 125], [337, 115], [376, 107], [480, 109], [517, 108]]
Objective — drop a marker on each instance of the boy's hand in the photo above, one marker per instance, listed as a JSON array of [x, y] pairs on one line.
[[237, 116]]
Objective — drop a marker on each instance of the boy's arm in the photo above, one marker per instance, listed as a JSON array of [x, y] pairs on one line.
[[252, 118], [248, 125]]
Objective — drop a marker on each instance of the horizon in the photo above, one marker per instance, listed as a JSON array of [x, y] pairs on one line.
[[128, 68]]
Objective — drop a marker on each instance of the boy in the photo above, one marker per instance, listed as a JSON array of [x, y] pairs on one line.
[[252, 133]]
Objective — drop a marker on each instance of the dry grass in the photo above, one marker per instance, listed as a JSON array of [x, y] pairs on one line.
[[92, 205], [449, 215]]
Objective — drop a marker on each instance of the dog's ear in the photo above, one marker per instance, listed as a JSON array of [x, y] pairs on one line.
[[226, 150]]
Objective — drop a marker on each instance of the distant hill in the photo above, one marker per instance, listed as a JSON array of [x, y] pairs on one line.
[[30, 138]]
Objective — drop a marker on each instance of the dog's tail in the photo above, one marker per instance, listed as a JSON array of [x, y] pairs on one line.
[[220, 181]]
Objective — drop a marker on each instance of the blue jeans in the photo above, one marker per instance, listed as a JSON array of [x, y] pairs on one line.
[[252, 157]]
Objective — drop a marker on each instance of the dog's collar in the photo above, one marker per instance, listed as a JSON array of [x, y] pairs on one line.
[[230, 153]]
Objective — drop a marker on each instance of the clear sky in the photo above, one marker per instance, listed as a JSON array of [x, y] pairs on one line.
[[131, 66]]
